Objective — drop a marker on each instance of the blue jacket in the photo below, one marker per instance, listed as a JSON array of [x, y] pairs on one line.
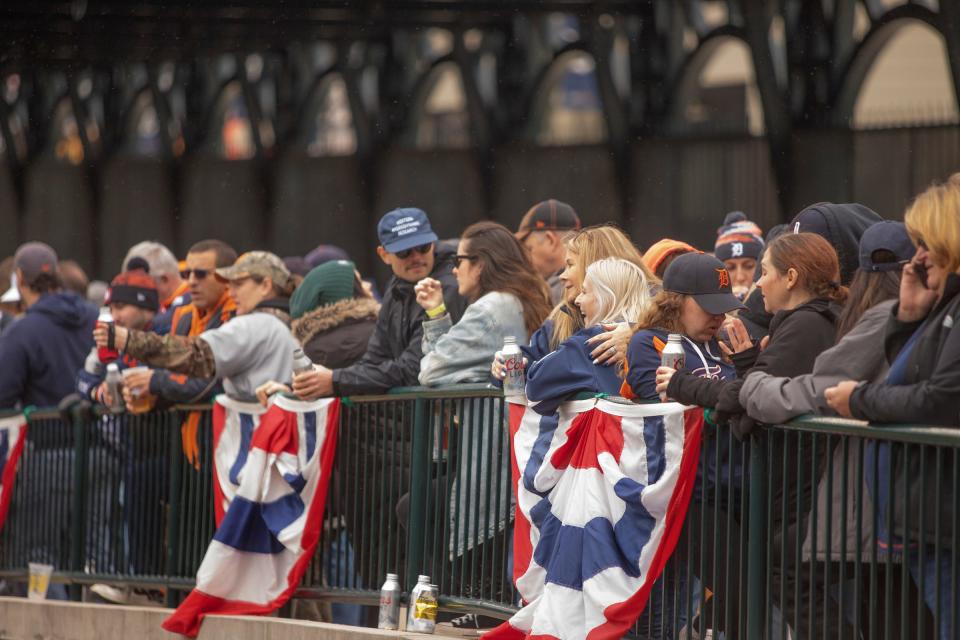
[[42, 351], [560, 375], [163, 321], [643, 358]]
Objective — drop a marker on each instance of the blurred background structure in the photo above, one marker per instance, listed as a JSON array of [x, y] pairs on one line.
[[287, 124]]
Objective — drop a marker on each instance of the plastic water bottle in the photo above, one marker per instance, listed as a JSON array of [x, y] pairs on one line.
[[114, 381]]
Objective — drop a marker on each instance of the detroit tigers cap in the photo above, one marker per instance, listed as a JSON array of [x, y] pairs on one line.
[[704, 278]]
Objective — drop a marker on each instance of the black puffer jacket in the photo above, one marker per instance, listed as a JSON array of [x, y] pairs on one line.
[[336, 335], [930, 394], [797, 337], [394, 352]]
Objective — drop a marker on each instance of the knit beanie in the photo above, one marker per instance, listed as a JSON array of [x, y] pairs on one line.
[[738, 241], [329, 283], [135, 286], [662, 249]]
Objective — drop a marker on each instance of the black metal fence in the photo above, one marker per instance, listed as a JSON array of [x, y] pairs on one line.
[[820, 528]]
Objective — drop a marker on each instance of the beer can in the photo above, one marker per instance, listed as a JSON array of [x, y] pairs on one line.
[[515, 379], [389, 617], [673, 355], [422, 615]]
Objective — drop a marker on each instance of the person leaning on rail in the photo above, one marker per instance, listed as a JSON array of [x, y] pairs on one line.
[[922, 346], [253, 348]]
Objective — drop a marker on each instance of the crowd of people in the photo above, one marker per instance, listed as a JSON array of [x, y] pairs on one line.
[[838, 312]]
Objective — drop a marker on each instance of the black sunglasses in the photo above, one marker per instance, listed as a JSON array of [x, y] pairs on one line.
[[422, 249], [200, 273], [457, 259]]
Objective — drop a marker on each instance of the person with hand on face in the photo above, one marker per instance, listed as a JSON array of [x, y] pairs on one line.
[[408, 246], [507, 298], [614, 290], [253, 348], [694, 302], [543, 232], [801, 288], [922, 386], [133, 301]]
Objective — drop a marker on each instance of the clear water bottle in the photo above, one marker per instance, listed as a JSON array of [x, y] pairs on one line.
[[114, 381], [301, 363], [515, 379], [389, 617]]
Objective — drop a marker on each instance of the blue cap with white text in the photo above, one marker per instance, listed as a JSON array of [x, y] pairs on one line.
[[405, 228]]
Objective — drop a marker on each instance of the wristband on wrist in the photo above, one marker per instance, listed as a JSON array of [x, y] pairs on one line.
[[436, 312]]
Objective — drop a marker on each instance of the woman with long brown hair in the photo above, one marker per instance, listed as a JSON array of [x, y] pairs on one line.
[[507, 298]]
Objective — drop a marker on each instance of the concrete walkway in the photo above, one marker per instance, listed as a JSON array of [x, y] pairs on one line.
[[22, 619]]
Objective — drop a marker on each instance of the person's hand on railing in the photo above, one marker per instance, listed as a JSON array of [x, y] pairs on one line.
[[498, 369], [838, 397], [429, 294], [664, 375], [101, 336], [612, 344], [103, 395], [311, 385], [267, 389]]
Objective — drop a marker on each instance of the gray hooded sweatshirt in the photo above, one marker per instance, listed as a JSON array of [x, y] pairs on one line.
[[858, 356]]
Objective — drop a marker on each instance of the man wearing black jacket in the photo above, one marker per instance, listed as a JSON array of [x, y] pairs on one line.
[[410, 247]]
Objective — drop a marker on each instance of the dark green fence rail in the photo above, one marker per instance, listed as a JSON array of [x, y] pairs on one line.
[[783, 535]]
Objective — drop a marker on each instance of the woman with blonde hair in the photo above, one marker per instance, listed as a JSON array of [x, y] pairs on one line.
[[614, 290], [922, 386], [583, 249]]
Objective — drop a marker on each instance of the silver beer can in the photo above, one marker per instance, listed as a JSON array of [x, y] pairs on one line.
[[515, 378], [389, 617]]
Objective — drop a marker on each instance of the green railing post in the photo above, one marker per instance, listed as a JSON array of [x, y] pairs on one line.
[[78, 538], [173, 518], [419, 480], [758, 532]]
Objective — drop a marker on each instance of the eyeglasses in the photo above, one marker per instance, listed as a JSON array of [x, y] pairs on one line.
[[422, 249], [200, 273], [457, 259]]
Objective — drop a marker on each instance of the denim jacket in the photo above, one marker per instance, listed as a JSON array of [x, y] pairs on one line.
[[462, 352]]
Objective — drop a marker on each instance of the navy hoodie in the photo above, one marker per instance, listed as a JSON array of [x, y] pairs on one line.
[[562, 374], [42, 351]]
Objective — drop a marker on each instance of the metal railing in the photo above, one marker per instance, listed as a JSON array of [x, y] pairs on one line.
[[800, 529]]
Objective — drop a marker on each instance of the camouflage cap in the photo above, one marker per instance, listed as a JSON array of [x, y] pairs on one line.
[[256, 263]]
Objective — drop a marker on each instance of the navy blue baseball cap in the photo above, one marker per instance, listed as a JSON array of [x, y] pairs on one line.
[[403, 229], [888, 235], [705, 279]]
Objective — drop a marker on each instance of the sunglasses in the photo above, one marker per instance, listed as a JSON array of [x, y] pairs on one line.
[[457, 259], [422, 249], [200, 273]]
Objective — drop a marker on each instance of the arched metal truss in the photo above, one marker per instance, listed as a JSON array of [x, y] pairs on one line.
[[184, 54]]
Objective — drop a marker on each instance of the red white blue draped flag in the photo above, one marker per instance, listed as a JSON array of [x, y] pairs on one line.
[[272, 469], [602, 491], [13, 433]]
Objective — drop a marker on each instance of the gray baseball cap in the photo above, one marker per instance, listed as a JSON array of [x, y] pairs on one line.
[[34, 258]]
